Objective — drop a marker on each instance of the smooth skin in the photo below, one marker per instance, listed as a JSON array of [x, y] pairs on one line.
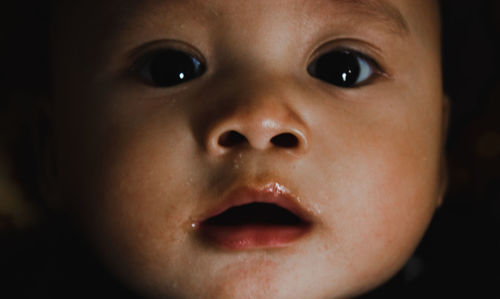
[[137, 165]]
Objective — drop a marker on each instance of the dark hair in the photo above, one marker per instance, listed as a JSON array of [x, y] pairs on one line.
[[26, 73], [470, 50]]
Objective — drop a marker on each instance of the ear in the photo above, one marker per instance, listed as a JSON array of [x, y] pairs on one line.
[[443, 180]]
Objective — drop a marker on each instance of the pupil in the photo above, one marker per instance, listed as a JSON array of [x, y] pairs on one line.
[[339, 68], [170, 67]]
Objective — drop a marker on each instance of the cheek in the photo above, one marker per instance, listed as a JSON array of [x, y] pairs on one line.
[[394, 205], [130, 183], [385, 219], [383, 186]]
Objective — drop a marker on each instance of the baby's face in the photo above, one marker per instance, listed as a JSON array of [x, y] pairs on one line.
[[328, 112]]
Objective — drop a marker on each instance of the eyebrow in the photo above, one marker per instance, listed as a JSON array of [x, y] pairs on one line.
[[380, 10]]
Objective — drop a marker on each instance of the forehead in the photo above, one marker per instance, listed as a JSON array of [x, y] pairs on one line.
[[394, 15]]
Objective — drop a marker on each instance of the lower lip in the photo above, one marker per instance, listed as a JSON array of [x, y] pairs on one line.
[[253, 236]]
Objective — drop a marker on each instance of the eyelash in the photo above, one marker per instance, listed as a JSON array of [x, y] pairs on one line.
[[344, 68]]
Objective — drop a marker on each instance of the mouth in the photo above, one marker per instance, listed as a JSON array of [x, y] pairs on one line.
[[256, 219]]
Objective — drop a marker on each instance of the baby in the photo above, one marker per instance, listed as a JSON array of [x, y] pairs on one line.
[[247, 149]]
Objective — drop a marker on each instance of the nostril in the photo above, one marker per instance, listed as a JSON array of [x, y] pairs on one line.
[[287, 140], [231, 138]]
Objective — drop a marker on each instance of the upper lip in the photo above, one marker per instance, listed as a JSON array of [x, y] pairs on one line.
[[273, 193]]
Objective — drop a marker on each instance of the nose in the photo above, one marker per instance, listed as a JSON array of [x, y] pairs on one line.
[[262, 120]]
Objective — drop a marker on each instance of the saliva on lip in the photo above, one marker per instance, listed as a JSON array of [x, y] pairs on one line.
[[191, 225], [276, 188], [279, 189]]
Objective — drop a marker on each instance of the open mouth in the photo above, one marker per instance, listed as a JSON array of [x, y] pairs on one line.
[[257, 213], [254, 225]]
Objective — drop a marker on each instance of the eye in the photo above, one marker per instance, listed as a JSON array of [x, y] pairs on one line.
[[343, 68], [168, 67]]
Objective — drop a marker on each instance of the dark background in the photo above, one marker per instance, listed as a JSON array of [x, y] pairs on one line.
[[40, 255]]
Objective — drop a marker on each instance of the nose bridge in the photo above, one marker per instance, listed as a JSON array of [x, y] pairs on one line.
[[258, 113]]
